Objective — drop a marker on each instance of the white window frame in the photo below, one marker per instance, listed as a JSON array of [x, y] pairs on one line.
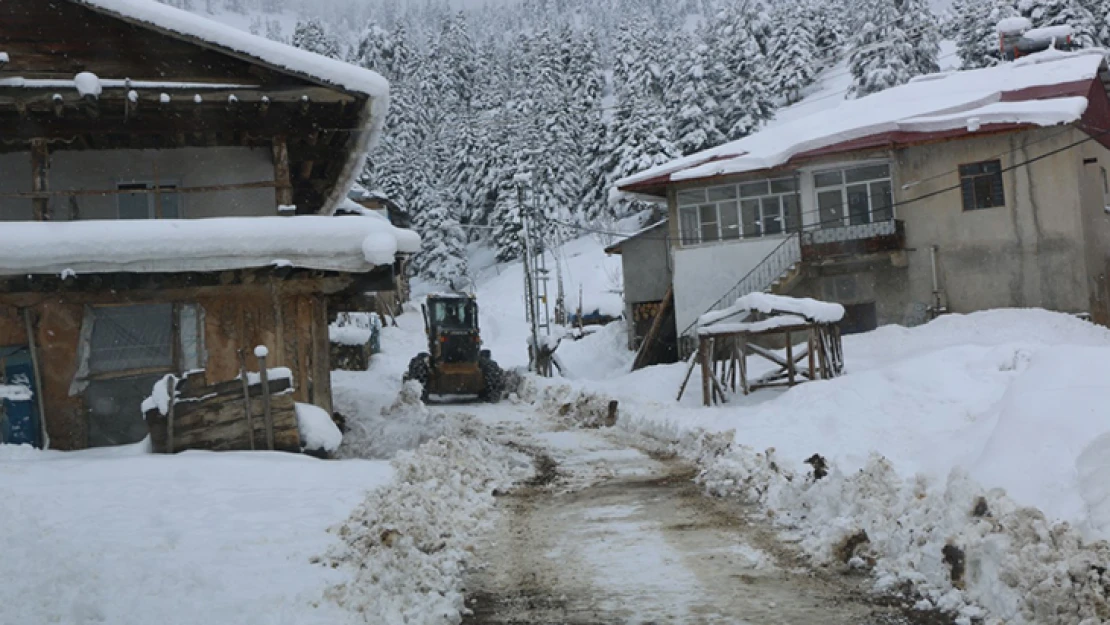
[[733, 194], [842, 187], [152, 204]]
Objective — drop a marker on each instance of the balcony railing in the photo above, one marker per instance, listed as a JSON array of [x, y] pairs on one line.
[[854, 240]]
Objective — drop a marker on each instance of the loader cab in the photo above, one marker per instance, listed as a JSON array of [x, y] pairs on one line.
[[453, 329]]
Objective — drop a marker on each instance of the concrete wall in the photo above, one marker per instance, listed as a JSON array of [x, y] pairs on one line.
[[1029, 253], [702, 274], [1092, 160], [104, 169]]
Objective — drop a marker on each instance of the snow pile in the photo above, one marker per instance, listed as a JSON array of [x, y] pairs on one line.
[[88, 85], [943, 103], [404, 425], [167, 245], [349, 335], [15, 392], [224, 537], [967, 551], [408, 545], [966, 457], [1056, 34], [1014, 25], [318, 431]]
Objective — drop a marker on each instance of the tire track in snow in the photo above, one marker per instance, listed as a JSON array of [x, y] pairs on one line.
[[617, 536]]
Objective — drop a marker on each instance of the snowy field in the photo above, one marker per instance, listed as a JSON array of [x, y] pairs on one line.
[[120, 536]]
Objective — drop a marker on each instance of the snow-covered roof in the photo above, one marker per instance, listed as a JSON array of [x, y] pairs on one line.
[[962, 100], [306, 64], [301, 63], [351, 244], [616, 247], [797, 308]]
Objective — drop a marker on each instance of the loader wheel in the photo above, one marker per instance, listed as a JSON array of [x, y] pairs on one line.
[[420, 369], [493, 378]]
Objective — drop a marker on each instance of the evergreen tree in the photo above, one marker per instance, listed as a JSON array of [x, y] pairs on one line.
[[899, 42], [794, 50], [743, 91], [442, 257], [825, 20], [696, 113], [1063, 13], [976, 26], [310, 35]]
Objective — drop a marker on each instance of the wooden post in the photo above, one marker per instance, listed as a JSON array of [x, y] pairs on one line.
[[171, 388], [744, 366], [789, 359], [32, 345], [246, 394], [281, 172], [693, 361], [810, 346], [261, 352], [40, 166], [706, 372]]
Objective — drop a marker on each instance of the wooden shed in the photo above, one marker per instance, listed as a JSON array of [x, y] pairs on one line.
[[167, 199]]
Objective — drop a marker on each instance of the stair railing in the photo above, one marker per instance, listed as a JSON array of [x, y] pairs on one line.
[[761, 278]]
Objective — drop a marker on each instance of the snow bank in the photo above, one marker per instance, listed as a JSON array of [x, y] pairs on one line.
[[318, 431], [408, 545], [931, 105], [167, 245], [121, 536], [979, 439]]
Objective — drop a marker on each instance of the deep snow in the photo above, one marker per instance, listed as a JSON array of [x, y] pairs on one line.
[[123, 536]]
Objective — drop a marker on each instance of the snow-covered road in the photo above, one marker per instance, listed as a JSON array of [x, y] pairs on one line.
[[610, 533]]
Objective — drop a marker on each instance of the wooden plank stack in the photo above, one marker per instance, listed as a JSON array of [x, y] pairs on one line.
[[213, 417]]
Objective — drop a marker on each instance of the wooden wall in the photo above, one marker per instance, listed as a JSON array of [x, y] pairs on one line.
[[292, 323]]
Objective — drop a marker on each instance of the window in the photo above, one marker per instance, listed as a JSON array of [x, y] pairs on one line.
[[143, 204], [454, 313], [127, 338], [981, 185], [743, 211], [129, 349], [853, 196]]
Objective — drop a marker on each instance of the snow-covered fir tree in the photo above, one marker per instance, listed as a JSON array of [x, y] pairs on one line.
[[311, 35], [900, 41], [743, 91], [442, 259], [794, 52], [697, 115]]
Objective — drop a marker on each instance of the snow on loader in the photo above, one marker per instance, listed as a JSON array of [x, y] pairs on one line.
[[455, 363]]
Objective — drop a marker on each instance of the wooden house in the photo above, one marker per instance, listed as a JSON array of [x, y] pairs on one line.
[[166, 199]]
